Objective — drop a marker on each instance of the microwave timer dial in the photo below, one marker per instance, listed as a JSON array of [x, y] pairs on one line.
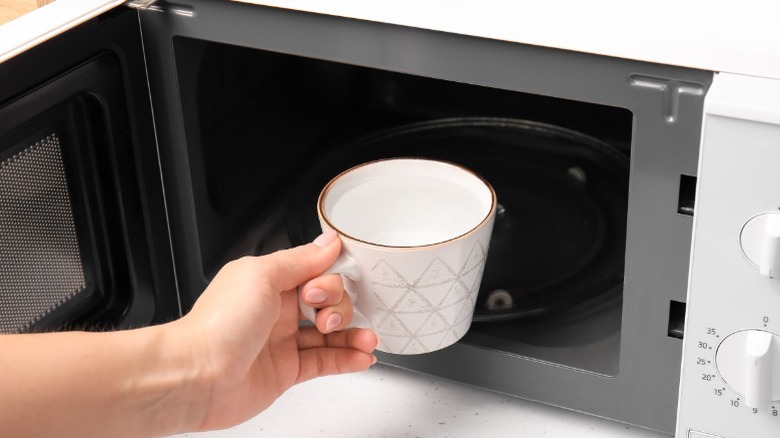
[[760, 243], [748, 361]]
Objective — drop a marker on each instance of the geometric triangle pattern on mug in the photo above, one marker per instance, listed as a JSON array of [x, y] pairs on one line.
[[432, 310]]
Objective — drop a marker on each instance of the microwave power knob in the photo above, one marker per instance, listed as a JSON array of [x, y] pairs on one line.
[[749, 362], [760, 242]]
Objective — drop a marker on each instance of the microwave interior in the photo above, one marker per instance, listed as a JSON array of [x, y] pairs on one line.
[[593, 160], [266, 131]]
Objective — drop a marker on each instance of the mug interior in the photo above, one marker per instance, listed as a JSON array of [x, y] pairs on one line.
[[404, 202]]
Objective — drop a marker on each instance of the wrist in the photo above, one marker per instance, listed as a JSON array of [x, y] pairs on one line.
[[169, 386]]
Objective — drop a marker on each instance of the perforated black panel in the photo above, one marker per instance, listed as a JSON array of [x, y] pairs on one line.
[[40, 261]]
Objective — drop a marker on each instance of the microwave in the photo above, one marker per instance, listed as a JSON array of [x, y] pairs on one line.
[[632, 269]]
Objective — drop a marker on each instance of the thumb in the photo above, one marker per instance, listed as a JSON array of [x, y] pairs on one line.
[[287, 269]]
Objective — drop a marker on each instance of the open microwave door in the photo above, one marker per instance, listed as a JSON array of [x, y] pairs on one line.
[[83, 230], [38, 24]]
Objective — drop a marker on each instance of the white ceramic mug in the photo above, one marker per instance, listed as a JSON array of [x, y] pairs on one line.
[[415, 235]]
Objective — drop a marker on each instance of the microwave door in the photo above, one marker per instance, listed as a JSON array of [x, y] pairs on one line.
[[82, 213]]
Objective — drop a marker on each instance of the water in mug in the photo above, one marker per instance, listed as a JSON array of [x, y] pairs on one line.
[[408, 210]]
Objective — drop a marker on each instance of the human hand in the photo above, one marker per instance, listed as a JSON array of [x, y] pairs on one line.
[[246, 343]]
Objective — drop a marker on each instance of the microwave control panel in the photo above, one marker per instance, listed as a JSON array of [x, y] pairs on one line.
[[730, 382]]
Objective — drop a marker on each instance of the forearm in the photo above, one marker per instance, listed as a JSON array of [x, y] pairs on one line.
[[124, 383]]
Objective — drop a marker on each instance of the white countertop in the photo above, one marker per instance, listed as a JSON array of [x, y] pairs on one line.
[[46, 22], [388, 402]]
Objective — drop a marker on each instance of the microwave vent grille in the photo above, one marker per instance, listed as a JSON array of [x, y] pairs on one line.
[[40, 261]]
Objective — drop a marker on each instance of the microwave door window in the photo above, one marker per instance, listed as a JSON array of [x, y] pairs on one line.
[[40, 259]]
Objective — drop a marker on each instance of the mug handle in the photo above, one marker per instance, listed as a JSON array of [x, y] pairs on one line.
[[347, 267]]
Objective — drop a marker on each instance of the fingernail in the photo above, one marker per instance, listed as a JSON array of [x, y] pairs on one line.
[[373, 360], [316, 296], [334, 320], [325, 238]]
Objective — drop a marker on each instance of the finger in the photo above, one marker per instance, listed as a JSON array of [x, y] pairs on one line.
[[286, 269], [322, 291], [363, 340], [336, 354], [333, 318], [320, 362]]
